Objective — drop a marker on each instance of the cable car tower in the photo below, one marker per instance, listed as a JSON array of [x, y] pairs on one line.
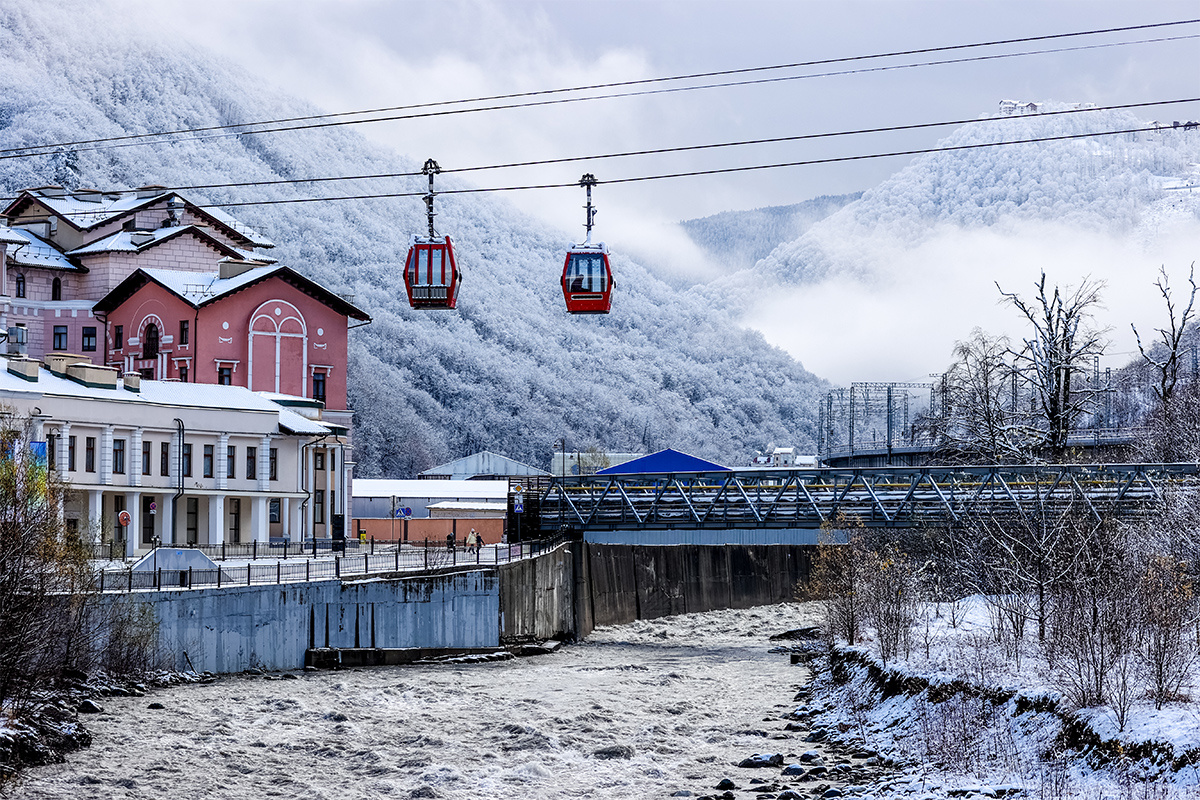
[[587, 280], [431, 275]]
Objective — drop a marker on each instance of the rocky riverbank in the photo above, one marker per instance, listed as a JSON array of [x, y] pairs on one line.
[[51, 725]]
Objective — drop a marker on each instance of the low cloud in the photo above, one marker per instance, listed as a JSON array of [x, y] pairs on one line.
[[898, 318]]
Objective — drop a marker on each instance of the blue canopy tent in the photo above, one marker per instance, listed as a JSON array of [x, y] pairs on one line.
[[663, 461]]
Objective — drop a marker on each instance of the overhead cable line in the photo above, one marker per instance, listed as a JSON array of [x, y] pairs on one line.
[[131, 140], [664, 150], [693, 173], [687, 148]]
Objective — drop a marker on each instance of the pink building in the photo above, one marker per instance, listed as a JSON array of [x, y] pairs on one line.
[[267, 328]]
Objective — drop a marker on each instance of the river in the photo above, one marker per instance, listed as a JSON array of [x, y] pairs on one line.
[[634, 711]]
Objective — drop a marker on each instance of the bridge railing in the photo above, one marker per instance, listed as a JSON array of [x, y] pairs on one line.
[[887, 497]]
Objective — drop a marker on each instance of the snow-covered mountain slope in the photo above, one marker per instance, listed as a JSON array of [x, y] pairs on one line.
[[509, 371], [740, 238], [882, 288]]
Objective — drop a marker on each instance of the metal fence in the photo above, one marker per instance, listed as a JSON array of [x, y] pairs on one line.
[[399, 559], [115, 551]]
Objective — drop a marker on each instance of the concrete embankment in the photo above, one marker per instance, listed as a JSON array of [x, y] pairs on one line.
[[572, 590], [271, 627], [563, 593]]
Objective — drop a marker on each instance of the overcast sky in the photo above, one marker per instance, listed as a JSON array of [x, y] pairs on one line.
[[359, 54]]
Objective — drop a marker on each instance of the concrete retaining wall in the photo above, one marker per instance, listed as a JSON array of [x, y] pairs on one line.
[[271, 627], [574, 589], [564, 593], [537, 597], [630, 582]]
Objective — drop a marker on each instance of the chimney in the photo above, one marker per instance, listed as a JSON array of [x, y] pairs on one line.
[[24, 368], [133, 381], [139, 238], [93, 375], [58, 363], [146, 192]]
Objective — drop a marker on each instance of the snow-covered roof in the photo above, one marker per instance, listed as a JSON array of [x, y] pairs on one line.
[[382, 487], [89, 209], [256, 238], [483, 463], [124, 242], [86, 209], [199, 288], [164, 393], [10, 236], [297, 423], [468, 505], [30, 250]]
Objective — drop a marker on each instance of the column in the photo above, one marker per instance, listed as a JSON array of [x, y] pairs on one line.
[[133, 531], [285, 507], [260, 527], [264, 464], [64, 439], [310, 483], [221, 461], [134, 457], [105, 454], [166, 517], [295, 520], [95, 517], [216, 519], [329, 498]]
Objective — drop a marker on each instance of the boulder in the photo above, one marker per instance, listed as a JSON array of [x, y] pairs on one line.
[[613, 751]]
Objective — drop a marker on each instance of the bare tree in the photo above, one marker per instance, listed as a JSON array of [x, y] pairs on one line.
[[979, 420], [1164, 355], [43, 571], [1168, 610], [1063, 340]]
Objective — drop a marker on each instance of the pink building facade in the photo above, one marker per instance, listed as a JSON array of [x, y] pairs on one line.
[[267, 328]]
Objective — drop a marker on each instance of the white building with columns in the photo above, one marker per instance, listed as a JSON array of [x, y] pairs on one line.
[[190, 463]]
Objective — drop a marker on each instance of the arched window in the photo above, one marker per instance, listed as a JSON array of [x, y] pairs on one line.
[[150, 341], [56, 289], [20, 286]]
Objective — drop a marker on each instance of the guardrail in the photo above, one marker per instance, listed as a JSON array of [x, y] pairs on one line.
[[401, 559]]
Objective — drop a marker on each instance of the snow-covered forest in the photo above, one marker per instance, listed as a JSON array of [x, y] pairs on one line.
[[741, 238]]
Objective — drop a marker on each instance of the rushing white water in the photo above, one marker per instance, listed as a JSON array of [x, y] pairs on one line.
[[687, 696]]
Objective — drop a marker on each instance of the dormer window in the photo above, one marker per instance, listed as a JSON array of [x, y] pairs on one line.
[[20, 286], [150, 342], [56, 289]]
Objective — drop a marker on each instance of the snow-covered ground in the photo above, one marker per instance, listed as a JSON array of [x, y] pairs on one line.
[[1003, 737]]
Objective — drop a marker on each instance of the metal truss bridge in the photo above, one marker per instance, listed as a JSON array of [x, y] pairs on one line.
[[886, 497]]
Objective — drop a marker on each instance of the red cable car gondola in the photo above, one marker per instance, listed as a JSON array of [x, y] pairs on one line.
[[431, 275], [587, 281]]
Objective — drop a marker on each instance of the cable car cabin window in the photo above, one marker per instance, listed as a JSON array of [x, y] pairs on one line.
[[586, 273]]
